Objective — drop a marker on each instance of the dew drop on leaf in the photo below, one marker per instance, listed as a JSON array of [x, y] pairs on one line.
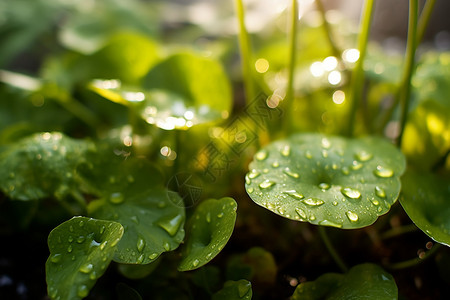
[[86, 268], [166, 246], [290, 173], [140, 244], [140, 259], [266, 184], [383, 172], [153, 255], [285, 151], [253, 174], [301, 213], [330, 223], [56, 258], [82, 291], [69, 249], [195, 263], [351, 193], [363, 156], [81, 239], [294, 194], [116, 198], [261, 155], [313, 202], [171, 224], [380, 192], [208, 217], [356, 165], [352, 216], [324, 186]]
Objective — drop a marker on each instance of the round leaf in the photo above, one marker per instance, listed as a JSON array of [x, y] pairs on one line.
[[186, 86], [41, 165], [80, 251], [153, 224], [365, 281], [426, 199], [235, 290], [208, 231], [327, 180]]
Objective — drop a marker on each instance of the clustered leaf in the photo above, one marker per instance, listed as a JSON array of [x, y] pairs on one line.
[[327, 180]]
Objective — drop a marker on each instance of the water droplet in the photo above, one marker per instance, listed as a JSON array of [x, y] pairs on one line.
[[301, 213], [290, 173], [140, 259], [334, 166], [312, 217], [324, 153], [330, 223], [375, 202], [171, 224], [383, 172], [308, 154], [162, 204], [116, 198], [345, 171], [351, 193], [102, 229], [324, 186], [294, 194], [114, 243], [281, 210], [56, 258], [195, 263], [134, 219], [166, 246], [153, 255], [81, 239], [70, 249], [250, 190], [82, 291], [275, 164], [356, 165], [220, 215], [70, 239], [326, 143], [93, 275], [335, 203], [266, 184], [363, 155], [261, 155], [86, 268], [208, 217], [313, 202], [285, 151], [380, 192], [243, 288], [352, 216], [253, 174], [71, 228], [103, 244], [140, 244]]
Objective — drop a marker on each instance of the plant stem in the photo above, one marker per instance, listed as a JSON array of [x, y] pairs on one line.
[[289, 99], [398, 231], [405, 84], [79, 110], [328, 31], [357, 80], [424, 19], [415, 261], [331, 249], [246, 54]]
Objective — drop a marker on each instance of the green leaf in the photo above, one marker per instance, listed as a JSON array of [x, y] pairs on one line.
[[186, 87], [327, 180], [153, 223], [208, 231], [257, 265], [80, 251], [426, 200], [41, 165], [365, 281], [235, 290], [137, 271]]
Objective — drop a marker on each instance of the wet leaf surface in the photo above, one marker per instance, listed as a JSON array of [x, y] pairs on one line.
[[80, 251], [327, 180], [235, 290]]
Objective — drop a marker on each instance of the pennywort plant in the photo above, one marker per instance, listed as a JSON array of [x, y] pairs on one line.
[[137, 152]]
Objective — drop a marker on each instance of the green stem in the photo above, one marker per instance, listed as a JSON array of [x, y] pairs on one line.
[[331, 40], [80, 111], [405, 84], [246, 53], [291, 67], [415, 261], [424, 19], [357, 80], [398, 231], [331, 249]]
